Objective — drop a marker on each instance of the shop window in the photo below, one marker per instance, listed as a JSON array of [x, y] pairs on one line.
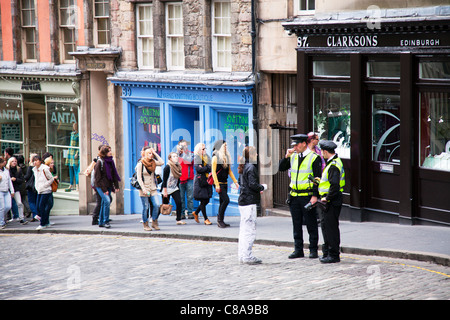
[[29, 30], [435, 130], [386, 128], [332, 117], [148, 128], [63, 141], [145, 36], [383, 69], [102, 22], [221, 34], [174, 36], [331, 68], [11, 126], [434, 70]]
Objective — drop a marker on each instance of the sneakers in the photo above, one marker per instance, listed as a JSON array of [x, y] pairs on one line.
[[251, 261], [41, 227]]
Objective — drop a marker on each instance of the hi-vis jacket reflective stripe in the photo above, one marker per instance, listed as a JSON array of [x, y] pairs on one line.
[[300, 185], [324, 186]]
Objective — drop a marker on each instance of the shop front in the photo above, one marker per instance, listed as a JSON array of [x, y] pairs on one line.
[[39, 114], [383, 95], [159, 114]]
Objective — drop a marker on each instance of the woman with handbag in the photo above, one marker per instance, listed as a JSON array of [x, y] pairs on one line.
[[221, 169], [171, 182], [106, 181], [31, 190], [202, 189], [43, 184], [145, 171]]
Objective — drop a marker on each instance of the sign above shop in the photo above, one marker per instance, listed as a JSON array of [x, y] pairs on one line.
[[374, 40]]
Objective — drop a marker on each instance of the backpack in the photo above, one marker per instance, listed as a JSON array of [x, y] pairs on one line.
[[93, 173], [134, 181]]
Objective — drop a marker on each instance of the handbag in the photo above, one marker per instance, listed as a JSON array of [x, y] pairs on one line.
[[210, 179], [134, 180], [165, 209], [55, 185], [158, 179]]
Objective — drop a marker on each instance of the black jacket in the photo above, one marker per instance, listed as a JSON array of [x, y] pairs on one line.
[[202, 190], [249, 185], [14, 173]]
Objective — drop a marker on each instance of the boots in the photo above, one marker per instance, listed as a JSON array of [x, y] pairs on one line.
[[155, 225], [195, 216], [146, 227]]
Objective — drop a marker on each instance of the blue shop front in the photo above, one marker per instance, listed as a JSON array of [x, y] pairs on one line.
[[159, 114]]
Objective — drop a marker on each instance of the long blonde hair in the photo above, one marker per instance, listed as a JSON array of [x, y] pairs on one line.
[[223, 156]]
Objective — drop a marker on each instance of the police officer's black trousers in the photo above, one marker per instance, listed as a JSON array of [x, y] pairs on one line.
[[298, 213], [330, 231]]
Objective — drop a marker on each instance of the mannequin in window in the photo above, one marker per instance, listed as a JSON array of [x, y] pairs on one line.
[[73, 159]]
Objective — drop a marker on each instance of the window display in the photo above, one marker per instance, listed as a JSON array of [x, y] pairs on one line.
[[11, 125], [435, 130], [148, 128], [332, 118]]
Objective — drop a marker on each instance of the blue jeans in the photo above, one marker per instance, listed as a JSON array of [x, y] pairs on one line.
[[44, 204], [187, 192], [146, 206], [5, 206], [32, 197], [104, 209]]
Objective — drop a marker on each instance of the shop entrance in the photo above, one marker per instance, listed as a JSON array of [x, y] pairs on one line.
[[35, 126], [384, 167]]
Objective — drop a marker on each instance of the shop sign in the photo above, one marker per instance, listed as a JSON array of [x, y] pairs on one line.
[[63, 117], [31, 85], [373, 40]]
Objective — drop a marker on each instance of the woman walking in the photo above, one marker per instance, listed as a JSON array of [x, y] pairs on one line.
[[31, 190], [221, 169], [43, 184], [171, 184], [106, 181], [202, 190], [145, 170], [17, 179], [6, 191], [249, 197]]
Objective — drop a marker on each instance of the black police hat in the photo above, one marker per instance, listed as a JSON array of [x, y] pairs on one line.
[[327, 145], [297, 138]]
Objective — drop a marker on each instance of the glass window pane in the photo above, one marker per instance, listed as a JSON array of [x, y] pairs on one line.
[[331, 68], [435, 130], [61, 119], [148, 128], [11, 120], [332, 118], [434, 70], [383, 69], [386, 127]]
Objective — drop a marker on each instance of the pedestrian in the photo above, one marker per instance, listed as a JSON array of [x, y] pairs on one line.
[[8, 153], [249, 198], [312, 142], [17, 180], [330, 190], [171, 183], [31, 190], [145, 170], [90, 172], [43, 184], [221, 169], [23, 188], [51, 165], [6, 192], [303, 193], [186, 159], [202, 189], [106, 181]]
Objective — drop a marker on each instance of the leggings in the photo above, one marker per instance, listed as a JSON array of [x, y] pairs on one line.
[[202, 207], [177, 198]]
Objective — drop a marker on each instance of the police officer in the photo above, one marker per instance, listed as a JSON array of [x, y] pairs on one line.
[[330, 190], [302, 162]]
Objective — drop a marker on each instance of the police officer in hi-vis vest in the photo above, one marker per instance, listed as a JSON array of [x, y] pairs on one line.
[[303, 192], [330, 191]]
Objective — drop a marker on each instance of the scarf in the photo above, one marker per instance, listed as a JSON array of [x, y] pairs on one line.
[[150, 164], [175, 168], [110, 168], [205, 161]]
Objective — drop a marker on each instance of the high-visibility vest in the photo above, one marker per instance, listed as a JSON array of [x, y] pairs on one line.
[[300, 185], [324, 185]]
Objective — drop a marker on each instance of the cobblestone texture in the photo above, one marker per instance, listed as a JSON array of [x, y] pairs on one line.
[[49, 266]]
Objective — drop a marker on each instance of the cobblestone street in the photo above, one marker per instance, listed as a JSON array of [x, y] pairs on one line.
[[48, 266]]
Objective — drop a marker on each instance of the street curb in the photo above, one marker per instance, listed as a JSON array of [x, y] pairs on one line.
[[439, 259]]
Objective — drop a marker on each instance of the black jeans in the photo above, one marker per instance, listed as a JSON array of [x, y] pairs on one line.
[[202, 207], [300, 214], [177, 198], [224, 201]]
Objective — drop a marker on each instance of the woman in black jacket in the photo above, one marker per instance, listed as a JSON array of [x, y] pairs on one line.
[[249, 197], [202, 190], [17, 179], [31, 191]]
